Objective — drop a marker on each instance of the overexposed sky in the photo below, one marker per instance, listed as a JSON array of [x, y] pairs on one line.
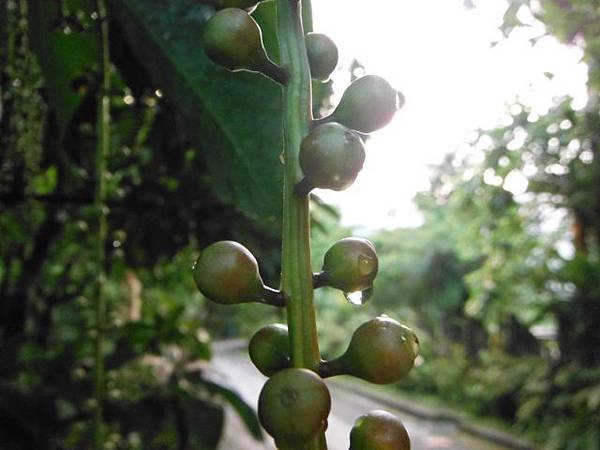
[[439, 54]]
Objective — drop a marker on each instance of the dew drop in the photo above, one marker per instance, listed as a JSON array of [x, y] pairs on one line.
[[354, 298], [359, 297]]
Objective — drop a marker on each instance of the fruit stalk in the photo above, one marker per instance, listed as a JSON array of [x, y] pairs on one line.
[[102, 149], [296, 267]]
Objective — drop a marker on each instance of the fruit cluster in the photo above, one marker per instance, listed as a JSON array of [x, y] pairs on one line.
[[294, 403]]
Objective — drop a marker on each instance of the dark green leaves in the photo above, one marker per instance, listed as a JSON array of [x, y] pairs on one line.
[[64, 55], [234, 118]]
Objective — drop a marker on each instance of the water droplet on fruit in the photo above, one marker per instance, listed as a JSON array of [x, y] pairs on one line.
[[359, 297], [354, 298]]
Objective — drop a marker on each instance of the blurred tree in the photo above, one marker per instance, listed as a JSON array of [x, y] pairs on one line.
[[511, 241], [568, 177], [522, 205]]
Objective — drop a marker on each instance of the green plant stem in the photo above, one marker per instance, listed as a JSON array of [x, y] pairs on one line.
[[307, 17], [102, 149], [296, 267]]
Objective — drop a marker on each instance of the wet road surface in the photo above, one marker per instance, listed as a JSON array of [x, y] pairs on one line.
[[347, 405]]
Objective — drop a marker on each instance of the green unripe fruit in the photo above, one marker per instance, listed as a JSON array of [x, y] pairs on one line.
[[322, 55], [269, 349], [367, 105], [381, 351], [350, 264], [379, 430], [293, 406], [226, 272], [233, 39], [331, 156]]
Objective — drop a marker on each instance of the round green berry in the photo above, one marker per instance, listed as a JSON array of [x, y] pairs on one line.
[[351, 264], [379, 430], [269, 349], [381, 351], [293, 406], [367, 105], [331, 156], [233, 39], [322, 55], [226, 272]]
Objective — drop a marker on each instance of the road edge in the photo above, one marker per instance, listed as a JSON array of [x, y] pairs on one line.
[[409, 406], [437, 414]]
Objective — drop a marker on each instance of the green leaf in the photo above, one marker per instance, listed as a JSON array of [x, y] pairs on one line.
[[234, 118], [266, 16]]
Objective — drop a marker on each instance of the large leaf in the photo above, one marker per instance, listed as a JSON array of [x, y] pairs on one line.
[[234, 118]]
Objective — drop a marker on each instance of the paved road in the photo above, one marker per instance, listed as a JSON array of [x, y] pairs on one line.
[[346, 407]]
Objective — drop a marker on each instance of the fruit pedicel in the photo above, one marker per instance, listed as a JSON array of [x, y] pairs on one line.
[[325, 153]]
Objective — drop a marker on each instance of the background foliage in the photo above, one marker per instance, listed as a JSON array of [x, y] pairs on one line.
[[502, 282], [171, 188]]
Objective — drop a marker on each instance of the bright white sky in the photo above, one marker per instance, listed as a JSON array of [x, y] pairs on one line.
[[438, 53]]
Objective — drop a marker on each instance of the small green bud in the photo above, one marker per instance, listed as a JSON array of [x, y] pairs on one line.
[[269, 349], [293, 406], [379, 430], [331, 156], [322, 55]]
